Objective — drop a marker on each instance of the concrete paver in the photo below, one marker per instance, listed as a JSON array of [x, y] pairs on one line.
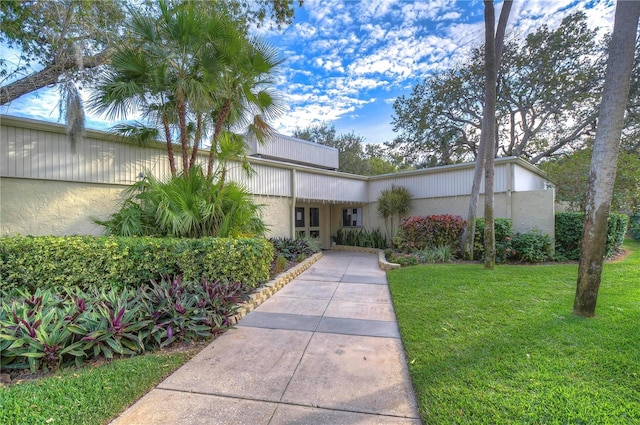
[[355, 373], [324, 349], [360, 310], [245, 362]]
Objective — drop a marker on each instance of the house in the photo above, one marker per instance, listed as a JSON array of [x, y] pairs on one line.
[[45, 189]]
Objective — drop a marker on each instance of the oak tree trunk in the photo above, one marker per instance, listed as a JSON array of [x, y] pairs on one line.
[[605, 156]]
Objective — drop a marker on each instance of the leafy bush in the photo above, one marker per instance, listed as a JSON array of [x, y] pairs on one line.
[[634, 226], [503, 232], [46, 330], [531, 247], [83, 261], [189, 206], [440, 254], [401, 258], [568, 229], [418, 233], [362, 238], [294, 249]]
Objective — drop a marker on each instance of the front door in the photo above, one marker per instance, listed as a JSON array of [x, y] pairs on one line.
[[308, 222]]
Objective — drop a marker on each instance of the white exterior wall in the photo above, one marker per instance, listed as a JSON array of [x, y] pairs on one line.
[[36, 160], [291, 149], [47, 207]]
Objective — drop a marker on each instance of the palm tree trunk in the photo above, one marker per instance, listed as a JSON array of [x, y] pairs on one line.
[[220, 120], [184, 140], [605, 156], [196, 141], [167, 136]]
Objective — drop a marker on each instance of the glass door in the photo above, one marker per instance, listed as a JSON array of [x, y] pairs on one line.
[[307, 222]]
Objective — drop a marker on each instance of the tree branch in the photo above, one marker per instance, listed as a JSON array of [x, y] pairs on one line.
[[49, 75]]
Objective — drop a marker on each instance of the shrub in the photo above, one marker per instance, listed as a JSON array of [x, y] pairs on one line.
[[503, 232], [403, 259], [46, 330], [418, 233], [568, 229], [293, 249], [634, 226], [280, 264], [361, 237], [531, 247], [189, 206], [440, 254], [84, 261]]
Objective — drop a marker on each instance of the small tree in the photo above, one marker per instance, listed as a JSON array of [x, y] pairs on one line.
[[393, 201]]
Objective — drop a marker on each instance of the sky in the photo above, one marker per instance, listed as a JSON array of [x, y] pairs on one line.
[[346, 61]]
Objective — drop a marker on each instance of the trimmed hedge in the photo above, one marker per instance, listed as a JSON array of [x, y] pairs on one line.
[[568, 229], [52, 262]]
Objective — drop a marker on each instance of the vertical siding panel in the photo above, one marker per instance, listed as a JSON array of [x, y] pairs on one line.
[[11, 148], [4, 150]]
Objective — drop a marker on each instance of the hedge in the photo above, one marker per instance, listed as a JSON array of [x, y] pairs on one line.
[[84, 261], [418, 232], [568, 229]]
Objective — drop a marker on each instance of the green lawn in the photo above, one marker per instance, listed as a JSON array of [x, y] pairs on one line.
[[92, 395], [502, 346]]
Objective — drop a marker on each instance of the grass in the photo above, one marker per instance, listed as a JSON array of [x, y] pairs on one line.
[[92, 395], [503, 346]]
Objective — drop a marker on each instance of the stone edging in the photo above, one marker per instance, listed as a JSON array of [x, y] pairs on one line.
[[382, 261], [263, 293]]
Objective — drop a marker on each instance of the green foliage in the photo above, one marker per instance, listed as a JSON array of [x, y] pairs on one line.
[[280, 264], [504, 230], [568, 230], [571, 175], [391, 202], [361, 237], [418, 233], [552, 77], [502, 347], [429, 255], [531, 247], [84, 261], [293, 249], [47, 329], [634, 226], [190, 206]]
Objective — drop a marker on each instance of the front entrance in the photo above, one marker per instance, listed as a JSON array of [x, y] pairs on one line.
[[308, 222]]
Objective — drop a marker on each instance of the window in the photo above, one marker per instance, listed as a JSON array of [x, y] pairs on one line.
[[314, 217], [299, 216], [352, 217]]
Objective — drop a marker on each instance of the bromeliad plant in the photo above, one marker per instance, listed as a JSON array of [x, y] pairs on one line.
[[34, 334], [44, 331], [115, 324]]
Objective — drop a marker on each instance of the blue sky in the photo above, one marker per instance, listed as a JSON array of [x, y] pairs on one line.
[[346, 61]]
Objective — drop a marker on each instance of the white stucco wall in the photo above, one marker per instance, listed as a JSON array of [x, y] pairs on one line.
[[534, 209], [49, 207], [276, 213]]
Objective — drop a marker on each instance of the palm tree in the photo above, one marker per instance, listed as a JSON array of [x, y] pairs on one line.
[[243, 94], [396, 200], [167, 72]]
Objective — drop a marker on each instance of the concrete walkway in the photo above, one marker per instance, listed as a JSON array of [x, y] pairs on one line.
[[325, 349]]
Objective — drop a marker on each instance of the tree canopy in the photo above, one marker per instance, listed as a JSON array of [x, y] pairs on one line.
[[61, 41], [191, 74], [549, 85]]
